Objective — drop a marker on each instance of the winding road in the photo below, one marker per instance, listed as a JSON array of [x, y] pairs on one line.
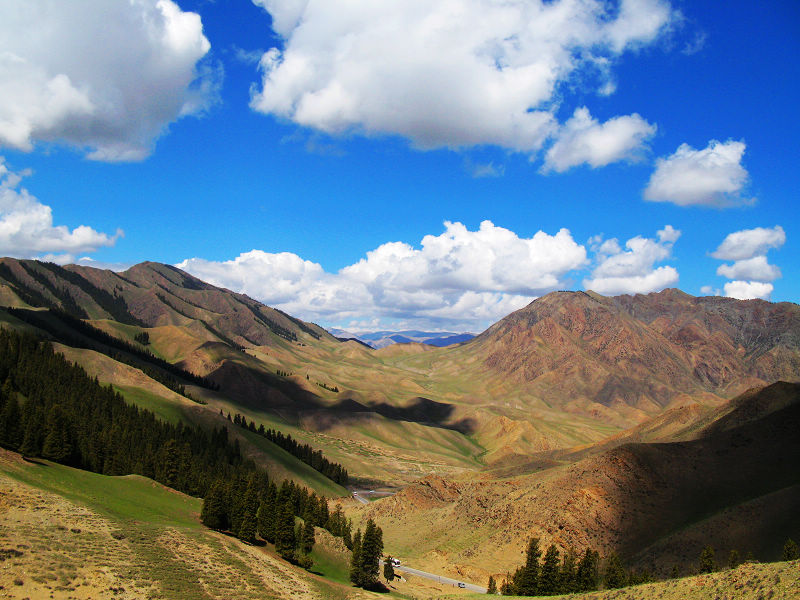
[[438, 578], [433, 577]]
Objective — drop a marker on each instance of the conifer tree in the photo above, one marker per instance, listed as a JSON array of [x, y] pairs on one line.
[[707, 560], [790, 550], [284, 531], [307, 537], [525, 581], [615, 575], [371, 551], [388, 569], [213, 513], [548, 578], [57, 445], [587, 578], [491, 587], [568, 575], [355, 559], [247, 529], [266, 515], [733, 559], [10, 435], [33, 436]]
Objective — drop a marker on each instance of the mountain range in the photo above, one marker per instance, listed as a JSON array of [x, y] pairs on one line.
[[647, 425], [381, 339]]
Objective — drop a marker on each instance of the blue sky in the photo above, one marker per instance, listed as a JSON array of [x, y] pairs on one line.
[[407, 164]]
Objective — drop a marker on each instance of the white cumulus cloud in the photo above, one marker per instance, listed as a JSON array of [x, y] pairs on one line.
[[632, 270], [583, 140], [713, 176], [755, 269], [748, 290], [443, 73], [460, 277], [748, 243], [750, 271], [105, 76], [27, 230]]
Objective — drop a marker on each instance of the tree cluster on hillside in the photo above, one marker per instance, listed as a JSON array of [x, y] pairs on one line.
[[313, 458], [255, 506], [567, 574], [552, 576], [330, 388], [130, 354], [365, 561], [51, 408]]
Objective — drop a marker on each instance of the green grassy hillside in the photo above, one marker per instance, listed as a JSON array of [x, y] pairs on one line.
[[71, 533]]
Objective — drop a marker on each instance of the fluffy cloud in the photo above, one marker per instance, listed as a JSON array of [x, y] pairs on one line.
[[105, 76], [632, 270], [713, 176], [26, 226], [748, 290], [445, 74], [755, 269], [583, 140], [460, 277], [748, 243], [750, 271], [275, 278]]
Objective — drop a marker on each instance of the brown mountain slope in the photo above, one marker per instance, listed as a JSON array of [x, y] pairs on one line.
[[638, 354], [734, 487], [153, 295]]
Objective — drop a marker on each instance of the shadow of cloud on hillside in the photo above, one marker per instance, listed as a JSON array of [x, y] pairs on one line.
[[264, 391], [423, 411]]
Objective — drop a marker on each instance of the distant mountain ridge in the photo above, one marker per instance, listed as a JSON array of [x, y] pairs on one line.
[[381, 339]]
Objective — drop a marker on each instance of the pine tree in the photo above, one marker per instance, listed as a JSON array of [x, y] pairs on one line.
[[32, 438], [388, 569], [548, 578], [213, 513], [355, 559], [525, 581], [568, 575], [57, 445], [10, 435], [284, 531], [491, 587], [248, 525], [790, 550], [707, 560], [307, 537], [371, 551], [247, 529], [266, 515], [507, 587], [733, 559], [615, 575], [588, 571]]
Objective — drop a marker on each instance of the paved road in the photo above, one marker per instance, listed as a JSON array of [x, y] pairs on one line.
[[439, 578], [364, 495]]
